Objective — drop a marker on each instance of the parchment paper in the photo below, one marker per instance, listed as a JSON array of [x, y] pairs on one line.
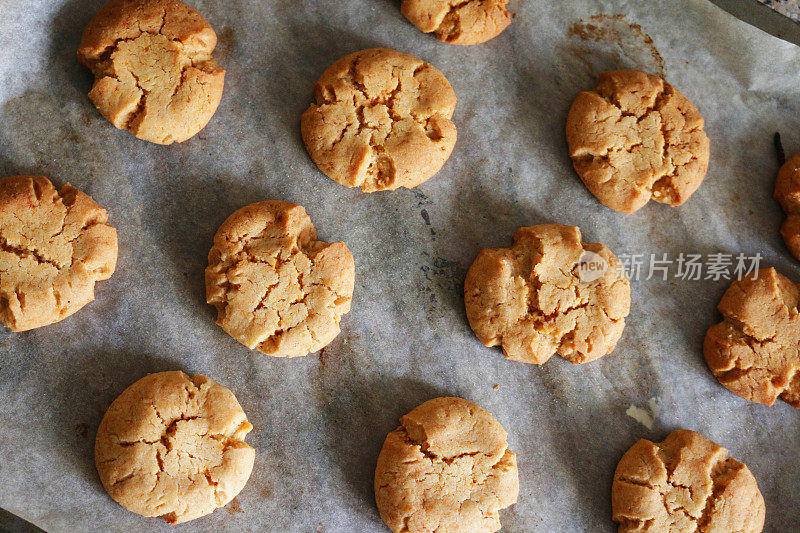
[[320, 420]]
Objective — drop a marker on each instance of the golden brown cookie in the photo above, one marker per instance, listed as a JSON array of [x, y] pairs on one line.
[[458, 21], [173, 447], [634, 138], [275, 286], [686, 483], [54, 246], [446, 468], [548, 293], [754, 350], [787, 192], [381, 121], [154, 74]]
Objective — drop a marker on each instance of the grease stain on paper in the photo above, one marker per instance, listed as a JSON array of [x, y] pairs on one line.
[[606, 42], [233, 506]]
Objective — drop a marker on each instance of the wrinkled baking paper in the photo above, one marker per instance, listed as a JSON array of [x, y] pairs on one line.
[[320, 420]]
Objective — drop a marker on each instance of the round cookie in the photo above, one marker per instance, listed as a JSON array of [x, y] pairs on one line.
[[54, 246], [754, 350], [446, 468], [154, 74], [275, 286], [381, 121], [686, 483], [173, 447], [787, 192], [548, 293], [634, 138], [458, 21]]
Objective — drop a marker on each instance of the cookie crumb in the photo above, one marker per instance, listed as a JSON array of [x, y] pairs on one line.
[[645, 416], [641, 416]]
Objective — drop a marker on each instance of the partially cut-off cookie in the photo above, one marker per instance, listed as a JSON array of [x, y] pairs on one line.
[[381, 120], [548, 293], [787, 192], [446, 468], [173, 447], [277, 288], [685, 484], [458, 21], [54, 246], [154, 74], [754, 351], [635, 138]]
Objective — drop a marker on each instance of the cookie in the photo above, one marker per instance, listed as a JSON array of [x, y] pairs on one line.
[[446, 468], [154, 74], [686, 483], [275, 286], [458, 21], [754, 350], [54, 246], [173, 447], [787, 192], [381, 121], [635, 138], [548, 293]]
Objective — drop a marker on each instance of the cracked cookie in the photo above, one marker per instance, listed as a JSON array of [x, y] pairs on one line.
[[548, 293], [787, 192], [173, 446], [54, 246], [381, 121], [275, 286], [154, 74], [446, 468], [458, 21], [686, 483], [635, 138], [754, 350]]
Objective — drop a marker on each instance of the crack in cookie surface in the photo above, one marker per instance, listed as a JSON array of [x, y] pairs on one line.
[[685, 484], [462, 22], [755, 350], [173, 447], [634, 138], [275, 286], [531, 300], [446, 468], [787, 193], [154, 74], [54, 246], [381, 121]]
